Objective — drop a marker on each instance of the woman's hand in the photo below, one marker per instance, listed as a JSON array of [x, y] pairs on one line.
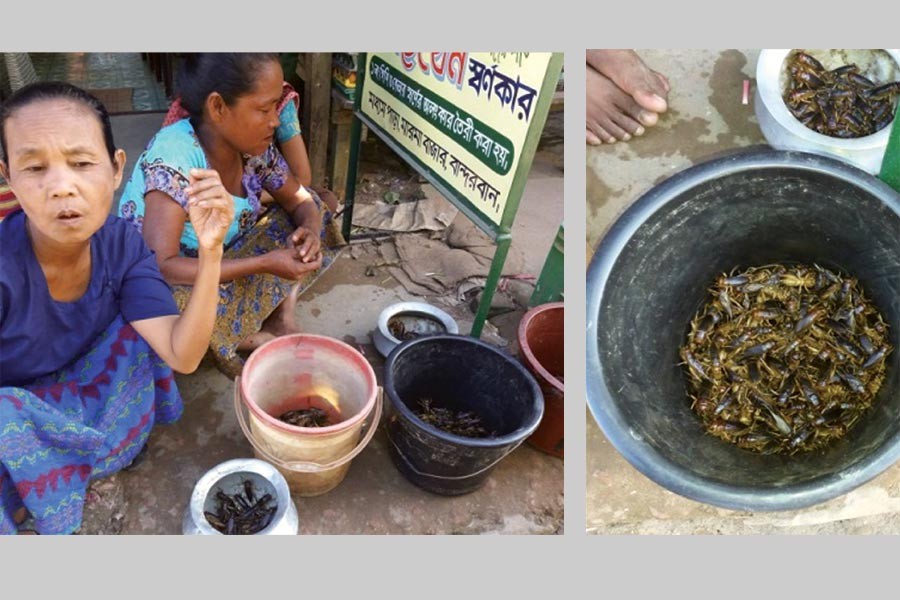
[[299, 203], [305, 215], [285, 263], [306, 244], [210, 207]]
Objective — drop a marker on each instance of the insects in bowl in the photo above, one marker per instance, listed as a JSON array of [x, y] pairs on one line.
[[784, 358], [242, 513], [841, 102]]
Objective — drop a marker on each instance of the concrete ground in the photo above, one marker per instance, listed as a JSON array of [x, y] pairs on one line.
[[524, 494], [705, 117]]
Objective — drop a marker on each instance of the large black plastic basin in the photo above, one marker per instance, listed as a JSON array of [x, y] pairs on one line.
[[650, 274]]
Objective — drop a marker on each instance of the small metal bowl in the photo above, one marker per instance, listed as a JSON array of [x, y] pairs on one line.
[[228, 477], [784, 132], [409, 320]]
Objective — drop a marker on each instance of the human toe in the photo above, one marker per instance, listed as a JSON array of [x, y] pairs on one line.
[[605, 136], [648, 118], [650, 101], [628, 121], [614, 130]]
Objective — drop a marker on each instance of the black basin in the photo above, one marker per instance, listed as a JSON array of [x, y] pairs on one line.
[[649, 277], [459, 373]]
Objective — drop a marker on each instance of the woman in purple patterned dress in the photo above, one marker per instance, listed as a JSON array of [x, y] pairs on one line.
[[89, 331]]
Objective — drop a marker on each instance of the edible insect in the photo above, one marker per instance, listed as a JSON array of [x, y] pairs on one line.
[[462, 423], [784, 358], [241, 514], [841, 102], [306, 417]]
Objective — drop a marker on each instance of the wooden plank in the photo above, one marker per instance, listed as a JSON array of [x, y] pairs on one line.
[[302, 67], [316, 111], [341, 108], [339, 148]]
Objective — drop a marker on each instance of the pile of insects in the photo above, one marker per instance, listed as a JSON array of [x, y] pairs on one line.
[[785, 359], [839, 103], [399, 331], [242, 514], [462, 423], [306, 417], [410, 327]]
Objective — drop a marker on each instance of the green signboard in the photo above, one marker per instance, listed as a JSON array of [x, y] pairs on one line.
[[468, 122]]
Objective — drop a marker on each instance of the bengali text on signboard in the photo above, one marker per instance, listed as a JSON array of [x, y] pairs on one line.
[[464, 116]]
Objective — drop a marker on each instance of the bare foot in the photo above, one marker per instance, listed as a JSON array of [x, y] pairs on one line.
[[19, 518], [611, 113], [283, 321], [625, 68], [254, 341]]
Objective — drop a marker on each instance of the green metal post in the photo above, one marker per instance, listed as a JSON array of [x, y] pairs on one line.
[[503, 243], [549, 286], [890, 166], [350, 193]]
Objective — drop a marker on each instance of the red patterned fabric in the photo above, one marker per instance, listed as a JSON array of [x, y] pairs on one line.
[[8, 202]]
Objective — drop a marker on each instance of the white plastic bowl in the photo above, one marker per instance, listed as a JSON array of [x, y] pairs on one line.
[[784, 132]]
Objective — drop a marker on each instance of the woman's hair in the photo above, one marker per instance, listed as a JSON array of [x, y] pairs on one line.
[[55, 90], [231, 74]]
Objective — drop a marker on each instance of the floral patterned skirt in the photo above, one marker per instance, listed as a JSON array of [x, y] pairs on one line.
[[245, 303]]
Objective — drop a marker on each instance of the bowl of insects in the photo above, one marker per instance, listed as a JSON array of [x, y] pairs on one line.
[[243, 496], [406, 321], [742, 324], [837, 102]]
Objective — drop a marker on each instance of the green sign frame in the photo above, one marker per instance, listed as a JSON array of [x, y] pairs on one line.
[[499, 233]]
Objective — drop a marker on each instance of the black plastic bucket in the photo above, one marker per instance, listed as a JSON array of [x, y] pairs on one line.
[[650, 274], [462, 374]]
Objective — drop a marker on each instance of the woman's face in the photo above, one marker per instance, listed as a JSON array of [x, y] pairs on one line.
[[249, 124], [59, 169]]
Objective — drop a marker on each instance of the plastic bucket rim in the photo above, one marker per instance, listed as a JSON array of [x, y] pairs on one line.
[[644, 457], [295, 339], [515, 436], [525, 348]]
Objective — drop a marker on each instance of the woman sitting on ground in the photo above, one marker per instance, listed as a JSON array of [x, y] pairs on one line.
[[89, 329], [272, 255]]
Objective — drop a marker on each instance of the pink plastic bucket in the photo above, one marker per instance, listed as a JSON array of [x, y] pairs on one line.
[[302, 371]]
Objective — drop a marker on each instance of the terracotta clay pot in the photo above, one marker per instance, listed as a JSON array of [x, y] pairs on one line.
[[542, 349]]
